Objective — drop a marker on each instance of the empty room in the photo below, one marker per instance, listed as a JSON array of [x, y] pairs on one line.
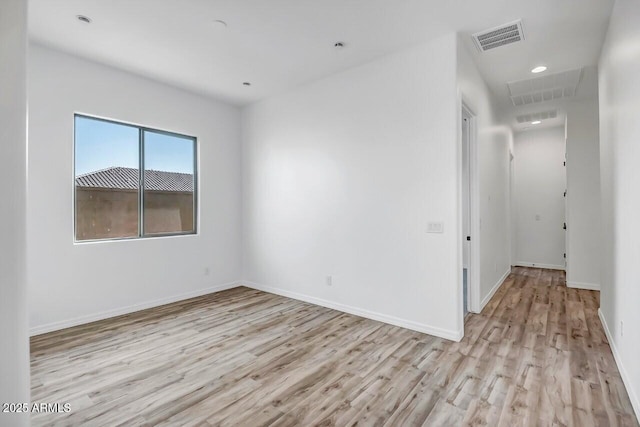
[[337, 213]]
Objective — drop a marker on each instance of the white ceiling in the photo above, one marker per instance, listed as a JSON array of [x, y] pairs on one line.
[[280, 44]]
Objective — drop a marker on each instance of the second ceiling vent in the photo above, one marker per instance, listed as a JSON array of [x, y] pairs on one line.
[[499, 36], [544, 115]]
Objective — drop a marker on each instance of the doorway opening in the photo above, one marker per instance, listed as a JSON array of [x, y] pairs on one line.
[[469, 214]]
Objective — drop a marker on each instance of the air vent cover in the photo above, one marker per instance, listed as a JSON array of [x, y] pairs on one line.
[[547, 88], [544, 115], [499, 36]]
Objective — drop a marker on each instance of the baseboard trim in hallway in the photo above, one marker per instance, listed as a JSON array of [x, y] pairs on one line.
[[623, 372], [356, 311], [493, 290], [583, 285], [536, 265]]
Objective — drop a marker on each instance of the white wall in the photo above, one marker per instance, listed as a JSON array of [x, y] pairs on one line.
[[619, 85], [74, 283], [583, 190], [494, 142], [540, 181], [341, 177], [14, 350]]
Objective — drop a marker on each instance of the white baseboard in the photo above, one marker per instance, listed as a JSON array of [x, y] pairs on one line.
[[583, 285], [56, 326], [623, 372], [537, 265], [493, 290], [403, 323]]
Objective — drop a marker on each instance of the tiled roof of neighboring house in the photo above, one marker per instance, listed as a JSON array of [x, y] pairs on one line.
[[127, 179]]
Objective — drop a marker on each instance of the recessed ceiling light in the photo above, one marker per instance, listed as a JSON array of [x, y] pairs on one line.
[[246, 83], [84, 19], [539, 69], [338, 45], [219, 24], [537, 122]]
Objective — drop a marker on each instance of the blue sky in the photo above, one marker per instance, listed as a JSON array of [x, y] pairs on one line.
[[101, 144]]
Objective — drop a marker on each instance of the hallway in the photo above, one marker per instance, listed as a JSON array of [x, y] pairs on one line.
[[552, 354]]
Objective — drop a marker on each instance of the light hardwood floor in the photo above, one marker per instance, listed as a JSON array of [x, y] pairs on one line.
[[536, 355]]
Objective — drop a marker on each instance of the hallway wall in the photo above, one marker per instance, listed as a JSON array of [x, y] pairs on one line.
[[619, 153], [494, 142], [583, 188], [539, 184]]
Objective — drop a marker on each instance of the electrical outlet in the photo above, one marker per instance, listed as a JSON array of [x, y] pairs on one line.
[[207, 271], [621, 328], [329, 280]]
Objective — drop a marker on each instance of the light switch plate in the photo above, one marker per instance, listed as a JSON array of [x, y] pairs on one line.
[[435, 227]]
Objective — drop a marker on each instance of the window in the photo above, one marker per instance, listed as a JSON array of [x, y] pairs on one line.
[[113, 200]]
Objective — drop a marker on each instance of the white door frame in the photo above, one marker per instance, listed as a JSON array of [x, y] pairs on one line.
[[473, 275]]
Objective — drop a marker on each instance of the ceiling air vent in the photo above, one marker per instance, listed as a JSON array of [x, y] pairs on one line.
[[499, 36], [544, 115], [546, 88]]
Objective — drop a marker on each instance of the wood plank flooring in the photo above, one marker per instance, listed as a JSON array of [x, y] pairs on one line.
[[536, 355]]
